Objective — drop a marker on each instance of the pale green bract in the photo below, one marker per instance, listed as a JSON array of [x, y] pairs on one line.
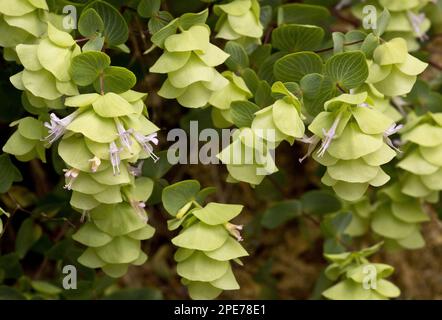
[[206, 243], [189, 60], [407, 20], [354, 144], [393, 70], [422, 159], [240, 21], [358, 279]]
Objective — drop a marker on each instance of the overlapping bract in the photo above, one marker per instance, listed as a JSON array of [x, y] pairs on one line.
[[422, 158], [189, 59], [102, 142], [393, 70], [26, 142], [21, 21], [45, 78], [240, 20], [354, 145], [358, 279], [207, 241], [406, 21], [397, 218], [235, 90], [250, 157]]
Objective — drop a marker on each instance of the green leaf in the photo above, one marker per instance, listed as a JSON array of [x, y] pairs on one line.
[[179, 194], [90, 23], [293, 38], [238, 56], [280, 213], [160, 27], [86, 67], [348, 69], [8, 173], [190, 19], [147, 8], [319, 202], [116, 30], [27, 235], [302, 14], [45, 287], [243, 112], [10, 293], [317, 89], [382, 23], [116, 80], [294, 66]]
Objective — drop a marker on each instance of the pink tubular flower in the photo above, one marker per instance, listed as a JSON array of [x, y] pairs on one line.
[[57, 126], [145, 141], [114, 154], [234, 230], [70, 175]]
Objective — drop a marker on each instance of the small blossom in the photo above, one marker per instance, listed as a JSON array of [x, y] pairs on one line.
[[328, 136], [70, 175], [57, 126], [124, 135], [95, 163], [114, 153], [139, 206], [136, 170], [394, 128], [416, 21], [234, 230], [84, 215], [312, 142], [145, 141]]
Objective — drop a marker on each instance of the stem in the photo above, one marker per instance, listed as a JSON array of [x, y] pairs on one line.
[[345, 44]]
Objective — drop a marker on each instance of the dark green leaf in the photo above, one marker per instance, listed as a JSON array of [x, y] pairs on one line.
[[294, 66], [242, 113]]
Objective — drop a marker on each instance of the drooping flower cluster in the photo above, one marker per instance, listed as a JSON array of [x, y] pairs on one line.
[[406, 21], [397, 218], [25, 143], [359, 279], [45, 78], [393, 70], [240, 20], [422, 158], [207, 242], [99, 143], [235, 90], [250, 157], [189, 60], [21, 22], [354, 144]]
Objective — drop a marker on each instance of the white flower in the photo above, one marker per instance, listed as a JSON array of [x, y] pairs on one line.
[[136, 170], [390, 131], [95, 163], [312, 142], [234, 230], [70, 175], [57, 126], [328, 136], [114, 154], [145, 141], [416, 21], [139, 206], [124, 135]]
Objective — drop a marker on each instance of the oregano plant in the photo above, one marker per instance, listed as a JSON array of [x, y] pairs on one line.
[[224, 139]]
